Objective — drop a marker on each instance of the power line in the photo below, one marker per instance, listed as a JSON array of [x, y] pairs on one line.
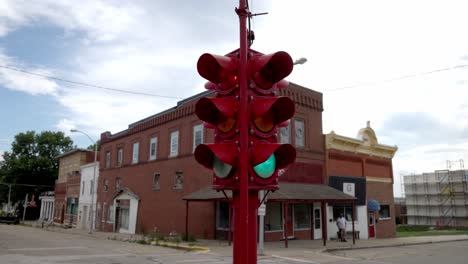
[[86, 84], [397, 79], [174, 97]]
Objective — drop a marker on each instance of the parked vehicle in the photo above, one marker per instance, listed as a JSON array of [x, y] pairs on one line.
[[11, 217]]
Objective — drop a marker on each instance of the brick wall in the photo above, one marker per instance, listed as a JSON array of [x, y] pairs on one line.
[[383, 193]]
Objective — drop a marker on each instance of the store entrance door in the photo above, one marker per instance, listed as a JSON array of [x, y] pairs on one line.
[[371, 215]]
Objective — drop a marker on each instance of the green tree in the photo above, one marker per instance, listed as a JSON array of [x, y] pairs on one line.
[[91, 147], [32, 160]]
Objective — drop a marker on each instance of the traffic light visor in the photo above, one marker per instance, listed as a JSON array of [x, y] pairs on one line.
[[219, 112], [284, 154], [221, 158], [269, 69], [267, 113], [217, 69]]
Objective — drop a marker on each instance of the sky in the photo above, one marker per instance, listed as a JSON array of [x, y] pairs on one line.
[[402, 65]]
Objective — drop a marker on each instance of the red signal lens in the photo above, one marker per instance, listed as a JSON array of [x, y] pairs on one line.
[[265, 123], [226, 124]]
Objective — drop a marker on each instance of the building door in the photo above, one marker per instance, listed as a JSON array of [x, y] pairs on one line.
[[371, 215], [317, 221], [84, 217]]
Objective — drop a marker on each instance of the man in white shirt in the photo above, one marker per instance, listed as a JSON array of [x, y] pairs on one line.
[[341, 224]]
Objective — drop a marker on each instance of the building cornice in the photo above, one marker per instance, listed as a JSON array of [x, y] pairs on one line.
[[334, 141]]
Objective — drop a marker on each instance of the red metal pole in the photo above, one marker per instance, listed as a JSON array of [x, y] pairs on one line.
[[285, 224], [242, 240], [230, 224], [186, 220], [324, 223], [354, 235]]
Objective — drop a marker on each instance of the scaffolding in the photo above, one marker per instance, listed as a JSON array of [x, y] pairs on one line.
[[439, 198]]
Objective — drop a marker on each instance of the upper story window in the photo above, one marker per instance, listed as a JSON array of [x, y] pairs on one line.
[[285, 134], [119, 157], [299, 131], [106, 185], [108, 157], [91, 189], [117, 183], [174, 151], [153, 148], [156, 177], [82, 187], [197, 135], [179, 180], [136, 151]]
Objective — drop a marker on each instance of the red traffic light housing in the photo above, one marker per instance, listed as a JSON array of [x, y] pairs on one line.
[[220, 113], [266, 113], [266, 159], [219, 70], [268, 70]]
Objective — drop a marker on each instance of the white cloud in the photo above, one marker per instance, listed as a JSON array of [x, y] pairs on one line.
[[18, 81], [1, 155]]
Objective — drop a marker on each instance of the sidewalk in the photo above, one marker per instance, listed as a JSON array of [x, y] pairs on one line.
[[295, 247]]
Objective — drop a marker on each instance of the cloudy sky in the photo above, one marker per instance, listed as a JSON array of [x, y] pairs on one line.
[[398, 64]]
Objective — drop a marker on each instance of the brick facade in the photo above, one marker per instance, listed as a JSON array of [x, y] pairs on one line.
[[161, 207], [68, 184], [365, 158]]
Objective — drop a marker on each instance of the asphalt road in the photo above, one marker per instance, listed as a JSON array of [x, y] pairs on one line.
[[26, 245]]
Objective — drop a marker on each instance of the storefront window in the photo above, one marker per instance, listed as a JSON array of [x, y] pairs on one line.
[[384, 212], [223, 215], [347, 211], [301, 216], [273, 217]]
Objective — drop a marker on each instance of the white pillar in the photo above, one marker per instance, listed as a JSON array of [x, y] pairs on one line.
[[46, 212], [42, 209], [49, 208], [52, 211]]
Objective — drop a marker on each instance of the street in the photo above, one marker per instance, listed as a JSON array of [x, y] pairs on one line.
[[26, 245]]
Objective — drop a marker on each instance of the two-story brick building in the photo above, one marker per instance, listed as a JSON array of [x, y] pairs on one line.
[[363, 168], [67, 186], [148, 170]]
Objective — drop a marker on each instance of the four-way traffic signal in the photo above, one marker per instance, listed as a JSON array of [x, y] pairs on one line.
[[266, 113]]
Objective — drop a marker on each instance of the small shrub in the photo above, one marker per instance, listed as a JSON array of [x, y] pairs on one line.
[[141, 241]]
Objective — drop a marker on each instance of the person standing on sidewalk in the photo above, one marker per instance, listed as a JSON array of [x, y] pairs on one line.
[[341, 224]]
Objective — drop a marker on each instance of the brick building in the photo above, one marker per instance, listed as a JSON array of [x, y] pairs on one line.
[[148, 170], [67, 186], [363, 168]]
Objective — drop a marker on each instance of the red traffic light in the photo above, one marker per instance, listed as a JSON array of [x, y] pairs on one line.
[[219, 112], [220, 70], [267, 158], [221, 158], [267, 113], [267, 70]]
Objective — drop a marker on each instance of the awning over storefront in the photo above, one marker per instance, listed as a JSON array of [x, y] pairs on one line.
[[373, 205], [290, 192]]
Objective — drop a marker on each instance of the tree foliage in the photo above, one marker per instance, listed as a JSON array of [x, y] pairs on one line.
[[32, 159]]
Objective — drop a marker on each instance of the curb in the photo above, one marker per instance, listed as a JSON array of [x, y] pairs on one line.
[[180, 246], [392, 245]]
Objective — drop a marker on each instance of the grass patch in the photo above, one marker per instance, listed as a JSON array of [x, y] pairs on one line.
[[421, 230], [430, 233]]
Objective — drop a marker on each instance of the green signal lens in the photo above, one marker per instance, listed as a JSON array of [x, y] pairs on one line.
[[266, 168], [220, 168]]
